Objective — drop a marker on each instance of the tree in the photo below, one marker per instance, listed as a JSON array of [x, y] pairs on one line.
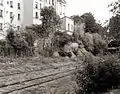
[[115, 7], [37, 30], [50, 23], [91, 25], [29, 37], [114, 22], [90, 22], [50, 20], [77, 19], [114, 26]]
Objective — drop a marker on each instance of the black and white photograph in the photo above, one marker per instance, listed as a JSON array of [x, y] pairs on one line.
[[59, 46]]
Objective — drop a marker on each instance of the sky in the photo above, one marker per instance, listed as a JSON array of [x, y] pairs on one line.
[[97, 7]]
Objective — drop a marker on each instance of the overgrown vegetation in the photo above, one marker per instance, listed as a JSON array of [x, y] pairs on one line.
[[94, 75], [98, 77]]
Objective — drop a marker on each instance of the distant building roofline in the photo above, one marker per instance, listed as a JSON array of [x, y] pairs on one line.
[[66, 17]]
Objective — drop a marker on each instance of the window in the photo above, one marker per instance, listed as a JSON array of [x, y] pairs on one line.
[[40, 15], [6, 12], [46, 1], [36, 15], [1, 2], [64, 7], [1, 26], [49, 1], [18, 5], [60, 8], [40, 6], [72, 27], [18, 16], [60, 13], [36, 5], [52, 2], [68, 27], [1, 13], [18, 27], [7, 2], [63, 14], [11, 4], [11, 15]]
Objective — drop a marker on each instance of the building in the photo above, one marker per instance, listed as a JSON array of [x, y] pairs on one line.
[[67, 24], [8, 10], [33, 8], [26, 12], [32, 11], [61, 8]]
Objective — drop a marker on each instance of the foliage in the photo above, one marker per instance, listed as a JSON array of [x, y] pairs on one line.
[[97, 77], [37, 30], [114, 26], [10, 36], [114, 22], [50, 20], [45, 31], [3, 42], [99, 44], [29, 37], [114, 7], [44, 47], [90, 24], [88, 42], [60, 39], [94, 43], [77, 19], [18, 42]]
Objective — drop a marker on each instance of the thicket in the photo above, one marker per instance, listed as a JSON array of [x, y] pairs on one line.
[[21, 43], [97, 77]]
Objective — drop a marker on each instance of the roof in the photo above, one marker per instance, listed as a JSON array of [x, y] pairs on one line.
[[63, 1], [66, 17]]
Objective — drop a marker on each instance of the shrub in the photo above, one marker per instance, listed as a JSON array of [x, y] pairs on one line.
[[95, 78], [30, 37], [60, 39], [94, 43], [44, 47], [3, 43], [18, 42], [99, 44], [88, 42]]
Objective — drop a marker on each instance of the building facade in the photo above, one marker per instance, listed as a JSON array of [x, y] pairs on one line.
[[67, 25], [33, 9], [26, 12], [10, 9]]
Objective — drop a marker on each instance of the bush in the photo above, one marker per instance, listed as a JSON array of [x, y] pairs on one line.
[[99, 44], [22, 45], [29, 37], [95, 78], [60, 39], [44, 47], [94, 43], [88, 42]]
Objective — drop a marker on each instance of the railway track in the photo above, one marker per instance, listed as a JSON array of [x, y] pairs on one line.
[[19, 81]]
